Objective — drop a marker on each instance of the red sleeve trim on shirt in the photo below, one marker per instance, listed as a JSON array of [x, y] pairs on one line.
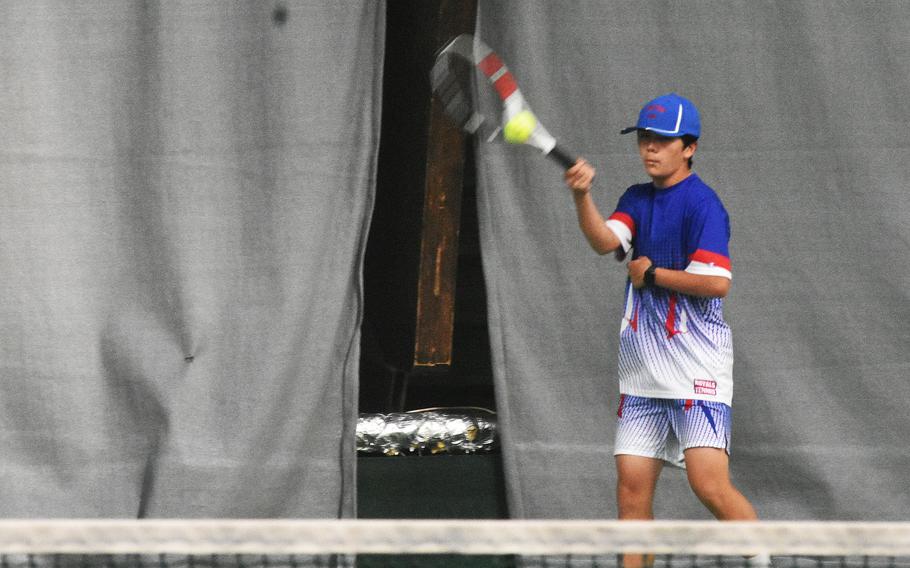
[[625, 219], [708, 257]]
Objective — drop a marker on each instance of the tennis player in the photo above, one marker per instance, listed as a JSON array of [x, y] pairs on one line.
[[676, 351]]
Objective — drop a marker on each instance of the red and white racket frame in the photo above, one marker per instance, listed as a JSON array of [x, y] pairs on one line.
[[495, 70]]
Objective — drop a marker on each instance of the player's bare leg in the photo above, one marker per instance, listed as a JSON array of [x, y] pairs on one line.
[[708, 470], [636, 482]]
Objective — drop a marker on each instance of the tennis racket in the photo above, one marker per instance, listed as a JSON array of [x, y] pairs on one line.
[[481, 95]]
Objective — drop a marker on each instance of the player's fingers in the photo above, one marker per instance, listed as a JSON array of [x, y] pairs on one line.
[[579, 166], [581, 184], [575, 180], [587, 176], [581, 173]]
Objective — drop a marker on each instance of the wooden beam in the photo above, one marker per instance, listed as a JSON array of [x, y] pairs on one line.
[[435, 320]]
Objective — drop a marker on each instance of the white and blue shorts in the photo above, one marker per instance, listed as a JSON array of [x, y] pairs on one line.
[[665, 428]]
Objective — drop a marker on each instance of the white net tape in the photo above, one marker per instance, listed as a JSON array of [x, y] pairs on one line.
[[474, 537]]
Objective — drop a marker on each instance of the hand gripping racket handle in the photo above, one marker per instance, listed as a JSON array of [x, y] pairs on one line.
[[562, 156]]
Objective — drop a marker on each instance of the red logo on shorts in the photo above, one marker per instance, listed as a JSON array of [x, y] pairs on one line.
[[704, 386]]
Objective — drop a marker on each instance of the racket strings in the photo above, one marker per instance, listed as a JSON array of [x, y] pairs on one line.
[[452, 86]]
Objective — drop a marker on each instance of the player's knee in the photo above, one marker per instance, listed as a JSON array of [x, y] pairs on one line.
[[632, 487], [710, 491], [627, 493], [634, 497]]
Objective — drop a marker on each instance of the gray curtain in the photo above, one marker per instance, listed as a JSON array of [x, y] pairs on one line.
[[805, 121], [185, 189]]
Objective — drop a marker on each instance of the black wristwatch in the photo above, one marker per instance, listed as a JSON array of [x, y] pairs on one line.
[[649, 275]]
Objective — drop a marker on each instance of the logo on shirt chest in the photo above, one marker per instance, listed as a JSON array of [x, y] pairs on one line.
[[705, 386]]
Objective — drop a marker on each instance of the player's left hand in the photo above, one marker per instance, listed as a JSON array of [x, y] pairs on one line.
[[637, 269]]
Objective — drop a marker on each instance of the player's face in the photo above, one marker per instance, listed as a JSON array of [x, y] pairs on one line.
[[665, 159]]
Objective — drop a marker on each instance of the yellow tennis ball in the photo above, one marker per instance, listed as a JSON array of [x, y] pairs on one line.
[[520, 127]]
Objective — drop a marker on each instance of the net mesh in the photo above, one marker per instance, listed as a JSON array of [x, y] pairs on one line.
[[453, 543]]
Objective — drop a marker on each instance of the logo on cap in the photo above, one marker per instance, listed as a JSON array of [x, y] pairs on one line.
[[655, 109], [668, 115]]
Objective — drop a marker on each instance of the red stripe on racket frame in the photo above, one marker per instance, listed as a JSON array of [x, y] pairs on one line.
[[504, 85], [490, 64]]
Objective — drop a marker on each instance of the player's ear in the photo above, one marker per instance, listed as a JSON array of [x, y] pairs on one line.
[[689, 150]]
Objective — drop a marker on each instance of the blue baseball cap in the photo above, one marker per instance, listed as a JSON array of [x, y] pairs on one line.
[[668, 115]]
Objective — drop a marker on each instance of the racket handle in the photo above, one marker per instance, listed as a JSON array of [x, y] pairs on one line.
[[562, 156]]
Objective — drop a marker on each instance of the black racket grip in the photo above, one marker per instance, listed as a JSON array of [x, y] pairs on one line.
[[562, 156]]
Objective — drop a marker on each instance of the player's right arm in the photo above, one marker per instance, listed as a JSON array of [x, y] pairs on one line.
[[579, 179]]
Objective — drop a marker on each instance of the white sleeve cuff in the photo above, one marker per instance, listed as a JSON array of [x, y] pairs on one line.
[[706, 269], [622, 232]]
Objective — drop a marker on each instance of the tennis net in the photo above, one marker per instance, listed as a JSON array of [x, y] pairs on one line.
[[448, 543]]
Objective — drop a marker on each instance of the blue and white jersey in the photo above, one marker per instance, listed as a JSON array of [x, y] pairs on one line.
[[674, 345]]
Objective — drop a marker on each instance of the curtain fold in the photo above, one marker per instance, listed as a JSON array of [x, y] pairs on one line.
[[185, 191]]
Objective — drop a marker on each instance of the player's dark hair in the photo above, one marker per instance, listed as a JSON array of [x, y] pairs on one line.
[[688, 140]]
